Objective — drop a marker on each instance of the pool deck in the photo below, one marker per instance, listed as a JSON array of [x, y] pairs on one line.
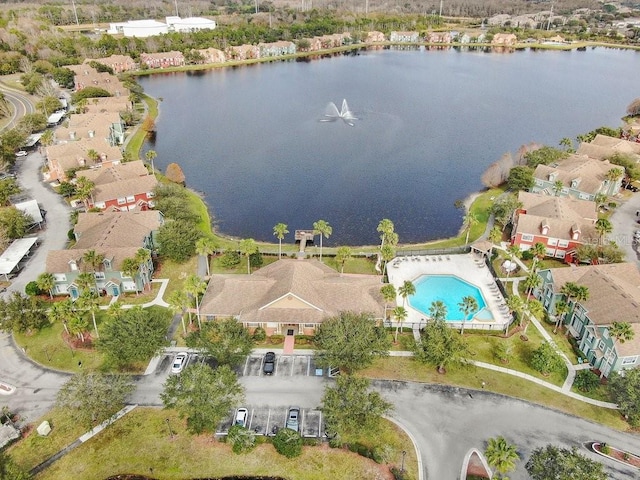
[[469, 267]]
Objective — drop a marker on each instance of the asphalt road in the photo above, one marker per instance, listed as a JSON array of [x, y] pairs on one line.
[[624, 222], [21, 105]]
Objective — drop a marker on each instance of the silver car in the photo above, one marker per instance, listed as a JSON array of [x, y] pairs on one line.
[[293, 419]]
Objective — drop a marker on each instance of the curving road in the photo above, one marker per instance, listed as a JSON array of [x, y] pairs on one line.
[[21, 105]]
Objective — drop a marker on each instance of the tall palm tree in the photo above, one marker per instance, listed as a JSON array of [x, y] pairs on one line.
[[603, 227], [532, 282], [558, 185], [600, 199], [85, 281], [150, 155], [621, 332], [130, 268], [501, 455], [387, 252], [389, 294], [178, 302], [387, 232], [468, 221], [533, 308], [514, 252], [406, 290], [84, 190], [567, 143], [195, 286], [143, 256], [280, 230], [46, 281], [205, 246], [495, 235], [400, 314], [438, 310], [61, 312], [516, 305], [248, 247], [468, 305], [342, 255], [539, 251], [94, 261], [323, 229], [561, 308], [89, 301]]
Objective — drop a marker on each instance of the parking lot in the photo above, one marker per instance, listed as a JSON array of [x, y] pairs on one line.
[[268, 420], [285, 366]]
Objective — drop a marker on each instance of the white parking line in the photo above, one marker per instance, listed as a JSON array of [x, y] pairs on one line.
[[308, 365], [293, 362], [246, 364], [266, 430]]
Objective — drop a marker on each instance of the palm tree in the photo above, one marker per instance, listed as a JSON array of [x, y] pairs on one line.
[[501, 455], [389, 294], [85, 281], [468, 221], [514, 252], [61, 312], [143, 256], [387, 233], [280, 230], [178, 302], [516, 305], [468, 305], [621, 332], [495, 235], [533, 308], [387, 252], [93, 155], [323, 229], [532, 281], [77, 325], [603, 226], [114, 310], [539, 251], [248, 247], [94, 260], [46, 281], [84, 190], [342, 255], [205, 246], [150, 155], [89, 301], [406, 290], [438, 310], [400, 314], [567, 143], [194, 286], [129, 268], [600, 199], [557, 187], [47, 138], [561, 309]]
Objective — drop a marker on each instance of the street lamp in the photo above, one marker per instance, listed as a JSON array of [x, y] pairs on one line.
[[404, 453], [169, 427]]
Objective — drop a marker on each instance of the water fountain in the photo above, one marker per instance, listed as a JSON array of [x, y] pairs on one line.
[[332, 113]]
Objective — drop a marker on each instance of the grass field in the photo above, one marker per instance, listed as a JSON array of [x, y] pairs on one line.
[[185, 456]]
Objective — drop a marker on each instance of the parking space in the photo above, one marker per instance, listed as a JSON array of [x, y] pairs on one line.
[[285, 366], [268, 420]]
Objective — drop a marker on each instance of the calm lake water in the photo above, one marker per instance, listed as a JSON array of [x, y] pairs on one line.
[[429, 123]]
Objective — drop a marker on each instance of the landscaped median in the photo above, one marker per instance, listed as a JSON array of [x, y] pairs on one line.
[[165, 450]]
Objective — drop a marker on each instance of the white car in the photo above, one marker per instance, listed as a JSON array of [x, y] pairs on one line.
[[179, 362], [241, 417], [22, 153]]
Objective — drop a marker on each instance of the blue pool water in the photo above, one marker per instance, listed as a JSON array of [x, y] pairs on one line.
[[450, 290]]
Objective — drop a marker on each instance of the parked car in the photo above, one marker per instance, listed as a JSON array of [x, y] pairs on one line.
[[241, 417], [269, 365], [179, 362], [22, 153], [293, 419]]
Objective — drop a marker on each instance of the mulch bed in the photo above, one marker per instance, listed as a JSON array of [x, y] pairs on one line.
[[620, 455]]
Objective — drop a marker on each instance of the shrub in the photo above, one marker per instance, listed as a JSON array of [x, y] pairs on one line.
[[545, 360], [242, 439], [586, 381], [382, 453], [275, 339], [604, 448], [288, 443], [259, 335], [360, 449], [230, 259], [503, 351], [32, 289], [399, 474], [303, 339], [256, 260]]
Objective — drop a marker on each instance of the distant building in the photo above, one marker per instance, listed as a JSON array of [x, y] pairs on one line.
[[190, 24], [243, 52], [162, 59], [438, 37], [149, 28], [374, 37], [118, 63], [212, 55], [276, 49], [504, 39], [87, 76], [404, 37]]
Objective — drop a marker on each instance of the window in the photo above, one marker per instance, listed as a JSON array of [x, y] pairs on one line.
[[309, 325], [100, 205], [59, 277], [99, 275], [527, 237], [150, 194], [601, 345], [552, 242], [629, 360], [121, 201], [563, 243], [131, 199], [253, 324]]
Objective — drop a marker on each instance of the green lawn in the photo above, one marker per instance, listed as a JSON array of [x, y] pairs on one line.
[[407, 369], [176, 273], [483, 347], [186, 456], [137, 140]]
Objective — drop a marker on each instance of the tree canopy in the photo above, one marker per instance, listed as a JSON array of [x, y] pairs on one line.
[[552, 462], [178, 239], [89, 398], [440, 345], [625, 391], [350, 407], [135, 336], [21, 313], [225, 340], [351, 341], [544, 156], [9, 470], [520, 178], [202, 395]]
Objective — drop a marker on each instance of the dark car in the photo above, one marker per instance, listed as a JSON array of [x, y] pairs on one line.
[[293, 419], [269, 365]]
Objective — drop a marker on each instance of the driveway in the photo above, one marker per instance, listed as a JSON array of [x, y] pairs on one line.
[[53, 235]]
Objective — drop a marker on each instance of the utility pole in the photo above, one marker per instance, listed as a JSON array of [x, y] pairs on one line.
[[176, 4], [550, 15], [441, 7], [75, 12]]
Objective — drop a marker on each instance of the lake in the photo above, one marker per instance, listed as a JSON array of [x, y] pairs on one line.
[[253, 139]]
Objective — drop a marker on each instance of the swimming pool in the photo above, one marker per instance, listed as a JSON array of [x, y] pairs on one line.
[[450, 290]]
